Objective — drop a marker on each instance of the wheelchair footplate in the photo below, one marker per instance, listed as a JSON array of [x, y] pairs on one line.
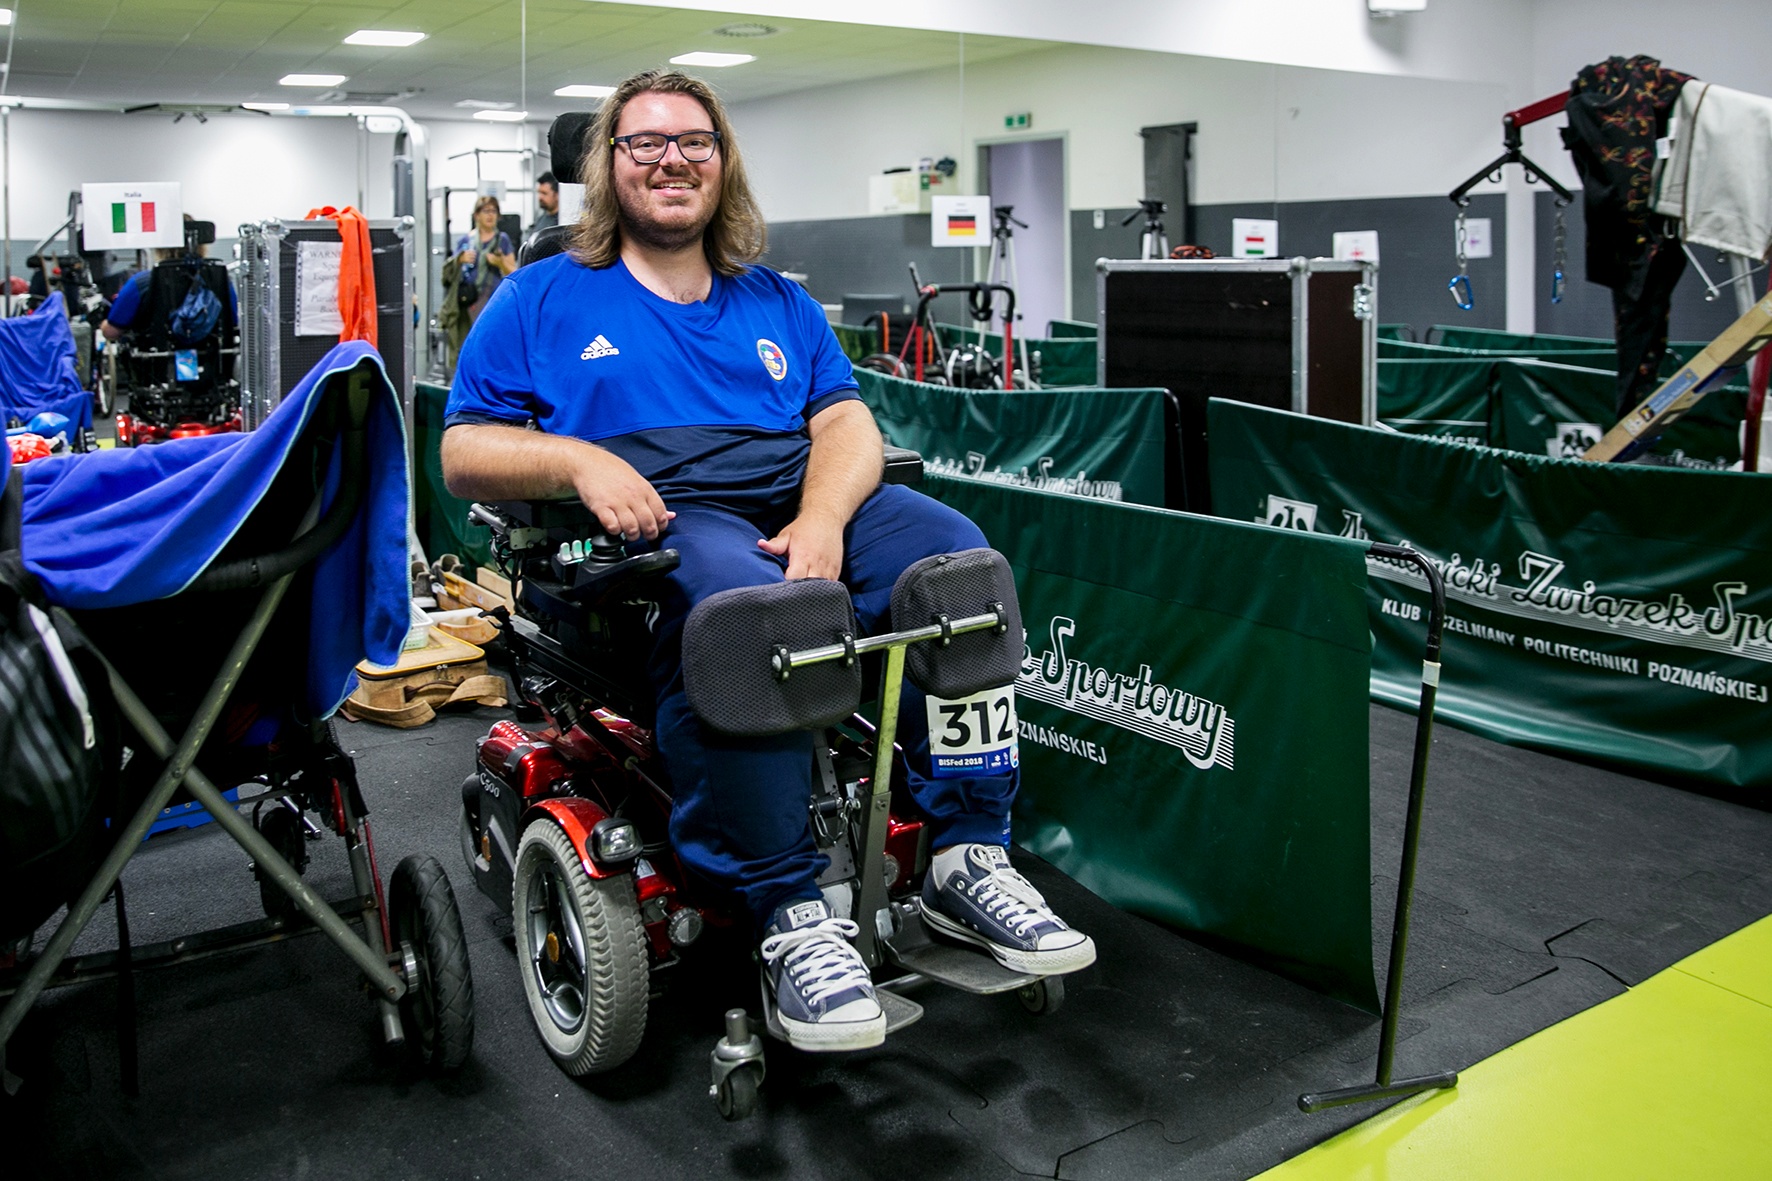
[[914, 949], [900, 1011]]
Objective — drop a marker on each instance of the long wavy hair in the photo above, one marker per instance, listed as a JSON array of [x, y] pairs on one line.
[[733, 239]]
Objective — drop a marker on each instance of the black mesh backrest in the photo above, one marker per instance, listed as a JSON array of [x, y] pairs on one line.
[[168, 284], [958, 586], [728, 641], [544, 243], [566, 144]]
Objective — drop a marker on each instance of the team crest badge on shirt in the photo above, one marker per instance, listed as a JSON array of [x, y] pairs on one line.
[[774, 359]]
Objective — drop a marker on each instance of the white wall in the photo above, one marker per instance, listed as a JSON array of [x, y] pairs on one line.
[[233, 169], [1721, 41], [1267, 133]]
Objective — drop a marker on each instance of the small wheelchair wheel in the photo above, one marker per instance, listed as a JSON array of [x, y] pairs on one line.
[[437, 1011], [581, 951], [887, 363], [282, 827], [737, 1094], [1043, 996]]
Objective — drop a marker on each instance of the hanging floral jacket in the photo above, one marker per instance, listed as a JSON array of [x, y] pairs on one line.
[[1617, 109]]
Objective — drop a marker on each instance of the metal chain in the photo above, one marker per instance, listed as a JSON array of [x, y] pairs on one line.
[[1560, 256], [1460, 286]]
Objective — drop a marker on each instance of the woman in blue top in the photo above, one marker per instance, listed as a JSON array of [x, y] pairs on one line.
[[485, 255]]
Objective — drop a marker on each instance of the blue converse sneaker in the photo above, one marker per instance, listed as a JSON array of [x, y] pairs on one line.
[[820, 988], [972, 894]]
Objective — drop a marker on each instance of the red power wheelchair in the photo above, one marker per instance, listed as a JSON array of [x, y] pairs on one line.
[[565, 820]]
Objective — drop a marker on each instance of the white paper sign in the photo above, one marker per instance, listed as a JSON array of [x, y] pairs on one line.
[[1478, 239], [959, 221], [1254, 237], [316, 288], [1357, 245], [973, 735], [132, 216]]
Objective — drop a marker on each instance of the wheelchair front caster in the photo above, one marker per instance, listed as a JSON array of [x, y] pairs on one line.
[[281, 826], [1043, 996], [738, 1068]]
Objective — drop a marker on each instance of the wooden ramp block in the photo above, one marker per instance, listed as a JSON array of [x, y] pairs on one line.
[[1712, 367]]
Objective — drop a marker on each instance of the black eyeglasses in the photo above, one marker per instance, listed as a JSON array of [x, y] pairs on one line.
[[649, 147]]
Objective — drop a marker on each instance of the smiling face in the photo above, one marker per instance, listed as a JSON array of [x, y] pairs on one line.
[[665, 205]]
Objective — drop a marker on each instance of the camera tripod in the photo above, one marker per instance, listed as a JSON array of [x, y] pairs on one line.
[[1002, 274], [1155, 242]]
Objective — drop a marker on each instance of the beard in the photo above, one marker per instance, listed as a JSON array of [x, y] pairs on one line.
[[641, 227]]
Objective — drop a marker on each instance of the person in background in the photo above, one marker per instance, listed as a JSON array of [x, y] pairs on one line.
[[547, 198], [482, 258], [123, 310]]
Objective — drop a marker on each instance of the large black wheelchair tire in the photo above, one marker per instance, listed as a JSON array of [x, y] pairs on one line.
[[437, 1011], [581, 952]]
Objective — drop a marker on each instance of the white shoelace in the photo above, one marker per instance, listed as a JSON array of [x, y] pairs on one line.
[[1012, 900], [819, 958]]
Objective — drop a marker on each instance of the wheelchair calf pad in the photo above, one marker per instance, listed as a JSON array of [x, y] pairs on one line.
[[958, 585], [730, 637]]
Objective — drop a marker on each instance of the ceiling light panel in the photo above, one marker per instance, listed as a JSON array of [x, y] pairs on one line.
[[713, 60], [266, 106], [312, 79], [389, 38], [577, 91], [502, 116], [5, 17]]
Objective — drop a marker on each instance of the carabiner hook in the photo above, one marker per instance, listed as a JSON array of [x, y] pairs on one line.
[[1557, 285], [1460, 287]]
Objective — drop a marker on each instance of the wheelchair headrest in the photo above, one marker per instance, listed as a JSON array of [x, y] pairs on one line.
[[728, 641], [544, 243], [959, 585], [566, 144]]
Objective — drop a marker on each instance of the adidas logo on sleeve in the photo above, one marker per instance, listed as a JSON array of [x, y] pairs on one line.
[[599, 347]]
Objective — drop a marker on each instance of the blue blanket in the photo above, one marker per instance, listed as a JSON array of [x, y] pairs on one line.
[[37, 367], [111, 528]]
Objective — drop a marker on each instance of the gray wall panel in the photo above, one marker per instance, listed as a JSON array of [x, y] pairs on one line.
[[1586, 309], [864, 255]]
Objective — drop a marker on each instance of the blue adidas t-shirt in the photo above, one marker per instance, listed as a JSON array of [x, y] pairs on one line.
[[709, 401]]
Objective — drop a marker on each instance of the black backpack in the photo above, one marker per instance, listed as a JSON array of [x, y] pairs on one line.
[[58, 746]]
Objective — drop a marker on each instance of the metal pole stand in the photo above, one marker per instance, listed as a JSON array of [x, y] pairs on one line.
[[1385, 1087]]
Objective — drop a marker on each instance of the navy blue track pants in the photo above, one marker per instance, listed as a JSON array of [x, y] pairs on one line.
[[740, 810]]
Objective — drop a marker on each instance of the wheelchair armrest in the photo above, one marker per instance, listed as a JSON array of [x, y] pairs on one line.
[[903, 466]]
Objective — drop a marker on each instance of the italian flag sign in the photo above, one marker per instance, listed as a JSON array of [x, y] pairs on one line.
[[132, 216]]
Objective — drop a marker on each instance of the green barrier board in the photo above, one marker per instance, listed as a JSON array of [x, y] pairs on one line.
[[1106, 444], [1616, 612], [1070, 330], [1062, 362], [1395, 332], [1448, 398], [857, 340], [440, 518], [1546, 408], [1193, 722]]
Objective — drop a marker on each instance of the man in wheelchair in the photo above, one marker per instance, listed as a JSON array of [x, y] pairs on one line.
[[691, 399], [175, 328]]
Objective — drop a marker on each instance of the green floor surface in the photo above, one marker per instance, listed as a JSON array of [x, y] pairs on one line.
[[1671, 1080]]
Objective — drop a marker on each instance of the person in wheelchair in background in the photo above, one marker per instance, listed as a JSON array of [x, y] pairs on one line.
[[177, 324], [685, 395]]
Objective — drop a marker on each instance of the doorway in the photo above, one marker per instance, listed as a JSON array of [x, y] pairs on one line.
[[1028, 175]]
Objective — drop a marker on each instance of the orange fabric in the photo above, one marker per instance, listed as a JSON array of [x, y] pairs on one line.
[[356, 273]]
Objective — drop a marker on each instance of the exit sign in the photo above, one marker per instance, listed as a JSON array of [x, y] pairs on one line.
[[1019, 122]]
